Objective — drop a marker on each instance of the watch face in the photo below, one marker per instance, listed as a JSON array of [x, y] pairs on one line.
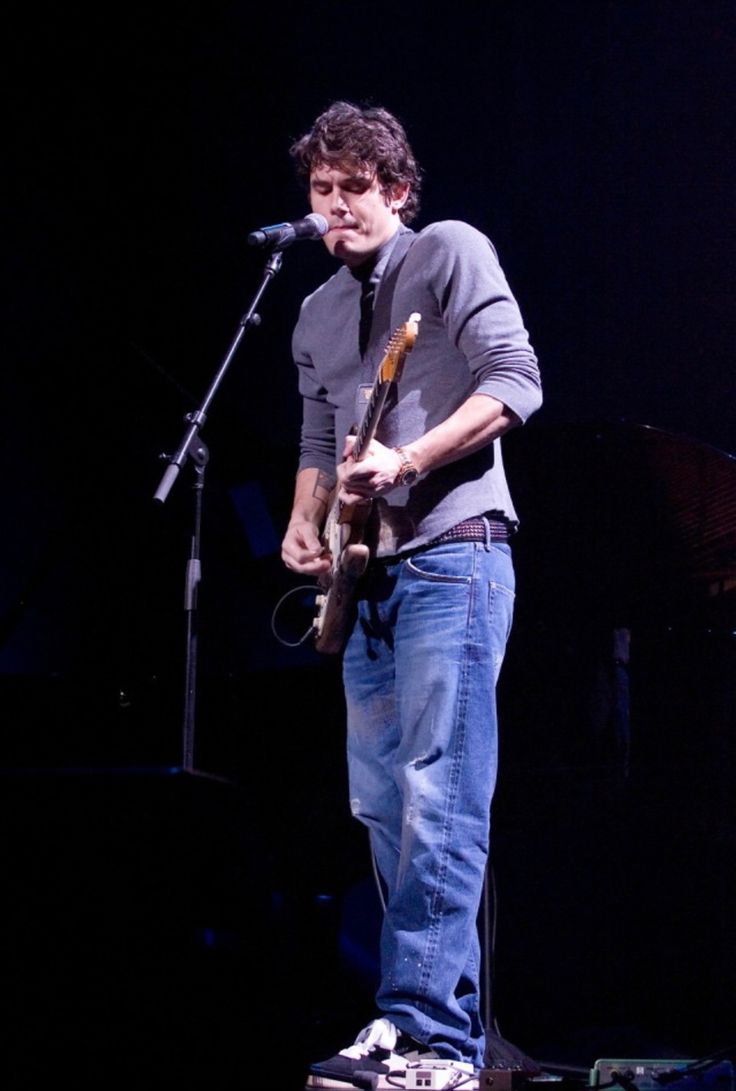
[[409, 476]]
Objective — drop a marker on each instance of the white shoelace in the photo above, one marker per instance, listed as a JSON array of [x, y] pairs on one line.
[[381, 1033]]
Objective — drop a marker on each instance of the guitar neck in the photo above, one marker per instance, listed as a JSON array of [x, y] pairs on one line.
[[400, 343], [365, 434], [371, 417]]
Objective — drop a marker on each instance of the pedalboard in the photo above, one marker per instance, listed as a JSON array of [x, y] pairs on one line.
[[616, 1074], [502, 1079], [429, 1077], [663, 1075]]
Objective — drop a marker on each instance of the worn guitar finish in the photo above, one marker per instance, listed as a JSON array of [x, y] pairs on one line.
[[345, 524]]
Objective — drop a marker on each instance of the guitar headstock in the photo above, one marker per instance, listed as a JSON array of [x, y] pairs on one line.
[[400, 344]]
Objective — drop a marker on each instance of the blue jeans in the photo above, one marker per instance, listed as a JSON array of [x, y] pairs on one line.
[[420, 672]]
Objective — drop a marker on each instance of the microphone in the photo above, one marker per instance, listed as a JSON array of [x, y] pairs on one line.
[[282, 235]]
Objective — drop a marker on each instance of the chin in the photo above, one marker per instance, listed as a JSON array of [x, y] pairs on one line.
[[346, 253]]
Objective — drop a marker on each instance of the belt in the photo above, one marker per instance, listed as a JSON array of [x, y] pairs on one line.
[[475, 530]]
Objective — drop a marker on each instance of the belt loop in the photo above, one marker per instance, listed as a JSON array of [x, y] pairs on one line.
[[487, 524]]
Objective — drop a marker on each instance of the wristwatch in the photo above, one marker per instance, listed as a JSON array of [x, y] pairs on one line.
[[408, 473]]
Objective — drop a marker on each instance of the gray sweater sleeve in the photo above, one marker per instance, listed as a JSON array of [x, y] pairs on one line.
[[460, 268], [317, 443]]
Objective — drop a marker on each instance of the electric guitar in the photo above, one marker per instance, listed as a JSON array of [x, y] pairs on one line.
[[345, 523]]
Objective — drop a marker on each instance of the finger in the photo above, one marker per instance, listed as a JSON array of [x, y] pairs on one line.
[[307, 567], [354, 499]]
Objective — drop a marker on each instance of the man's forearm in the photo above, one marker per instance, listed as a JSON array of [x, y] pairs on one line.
[[311, 497], [476, 423]]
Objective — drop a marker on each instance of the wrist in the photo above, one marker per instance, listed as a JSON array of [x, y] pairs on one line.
[[407, 472], [302, 520]]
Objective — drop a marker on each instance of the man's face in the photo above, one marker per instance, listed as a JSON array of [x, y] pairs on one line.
[[361, 217]]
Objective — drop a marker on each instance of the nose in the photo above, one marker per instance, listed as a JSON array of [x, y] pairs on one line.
[[339, 205]]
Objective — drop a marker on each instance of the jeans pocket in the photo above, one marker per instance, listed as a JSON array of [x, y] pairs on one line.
[[450, 563]]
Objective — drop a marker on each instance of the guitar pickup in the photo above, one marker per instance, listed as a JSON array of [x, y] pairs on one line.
[[319, 601]]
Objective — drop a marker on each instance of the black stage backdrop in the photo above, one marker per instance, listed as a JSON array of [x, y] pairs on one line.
[[593, 144]]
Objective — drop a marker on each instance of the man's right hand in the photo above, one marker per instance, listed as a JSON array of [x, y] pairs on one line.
[[302, 549]]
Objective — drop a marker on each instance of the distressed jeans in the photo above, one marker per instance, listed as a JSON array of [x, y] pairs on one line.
[[420, 672]]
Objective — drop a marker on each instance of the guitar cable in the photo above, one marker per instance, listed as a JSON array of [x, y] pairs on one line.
[[293, 591]]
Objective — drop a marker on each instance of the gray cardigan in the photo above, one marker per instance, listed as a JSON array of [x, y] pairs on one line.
[[471, 340]]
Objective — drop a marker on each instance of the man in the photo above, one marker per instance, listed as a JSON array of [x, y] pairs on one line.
[[434, 608]]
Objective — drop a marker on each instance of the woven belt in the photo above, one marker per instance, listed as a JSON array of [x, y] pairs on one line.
[[475, 530]]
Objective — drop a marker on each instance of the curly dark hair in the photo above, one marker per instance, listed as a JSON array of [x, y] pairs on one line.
[[368, 136]]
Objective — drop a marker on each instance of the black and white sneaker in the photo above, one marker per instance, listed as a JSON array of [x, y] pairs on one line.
[[381, 1051]]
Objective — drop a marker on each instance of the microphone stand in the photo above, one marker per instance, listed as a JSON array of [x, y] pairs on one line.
[[193, 448]]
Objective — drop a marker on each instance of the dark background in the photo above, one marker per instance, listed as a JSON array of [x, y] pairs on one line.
[[593, 144]]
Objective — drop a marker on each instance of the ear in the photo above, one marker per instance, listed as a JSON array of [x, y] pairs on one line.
[[398, 196]]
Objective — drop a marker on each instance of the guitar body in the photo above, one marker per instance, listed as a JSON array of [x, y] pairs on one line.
[[343, 531], [337, 604], [343, 537]]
